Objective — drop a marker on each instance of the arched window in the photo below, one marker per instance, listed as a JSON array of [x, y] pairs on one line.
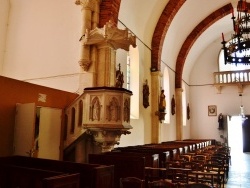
[[134, 85], [129, 62], [128, 67], [184, 104], [80, 112], [65, 127], [167, 94], [72, 128]]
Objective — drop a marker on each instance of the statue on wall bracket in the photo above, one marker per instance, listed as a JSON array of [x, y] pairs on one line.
[[162, 107], [162, 104], [188, 112], [145, 94], [173, 106]]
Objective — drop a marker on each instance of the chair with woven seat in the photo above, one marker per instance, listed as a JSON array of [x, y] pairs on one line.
[[198, 185], [219, 179], [162, 184], [132, 182]]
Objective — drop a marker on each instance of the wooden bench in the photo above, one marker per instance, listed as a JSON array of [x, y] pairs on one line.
[[164, 154], [16, 176], [91, 175], [62, 181], [124, 166], [151, 160], [173, 150]]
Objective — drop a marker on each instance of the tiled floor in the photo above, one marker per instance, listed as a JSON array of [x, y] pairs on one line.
[[239, 173]]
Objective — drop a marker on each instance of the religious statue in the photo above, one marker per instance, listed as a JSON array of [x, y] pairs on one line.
[[220, 121], [126, 110], [162, 104], [145, 94], [188, 112], [173, 106], [119, 78], [96, 108], [113, 110]]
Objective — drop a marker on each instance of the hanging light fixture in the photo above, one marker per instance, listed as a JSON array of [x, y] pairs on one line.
[[237, 50]]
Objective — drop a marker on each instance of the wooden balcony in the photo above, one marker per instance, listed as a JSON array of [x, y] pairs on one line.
[[232, 78]]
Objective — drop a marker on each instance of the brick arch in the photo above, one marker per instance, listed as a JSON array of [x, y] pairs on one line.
[[109, 10], [161, 29], [193, 36]]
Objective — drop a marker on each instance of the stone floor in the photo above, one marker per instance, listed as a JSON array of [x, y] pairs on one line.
[[239, 173]]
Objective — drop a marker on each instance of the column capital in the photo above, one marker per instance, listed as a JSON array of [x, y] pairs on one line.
[[178, 90], [88, 4], [156, 73], [110, 35]]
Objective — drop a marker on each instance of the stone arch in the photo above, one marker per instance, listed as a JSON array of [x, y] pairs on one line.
[[161, 29], [109, 10], [193, 36]]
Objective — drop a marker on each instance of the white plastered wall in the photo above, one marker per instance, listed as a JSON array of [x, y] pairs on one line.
[[42, 47], [4, 15], [203, 94], [42, 44]]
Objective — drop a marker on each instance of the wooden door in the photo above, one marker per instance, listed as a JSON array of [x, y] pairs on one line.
[[246, 134], [49, 133], [24, 129]]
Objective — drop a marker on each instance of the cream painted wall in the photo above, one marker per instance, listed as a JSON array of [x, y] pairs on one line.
[[140, 23], [4, 15], [144, 27], [43, 48], [202, 94], [43, 43], [141, 132]]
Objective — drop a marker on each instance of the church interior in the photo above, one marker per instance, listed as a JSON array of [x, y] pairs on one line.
[[82, 79]]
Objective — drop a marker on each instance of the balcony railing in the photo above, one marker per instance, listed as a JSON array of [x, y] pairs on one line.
[[232, 78]]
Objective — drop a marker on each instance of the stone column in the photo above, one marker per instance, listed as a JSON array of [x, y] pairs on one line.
[[155, 93], [106, 69], [90, 19], [87, 7], [179, 115]]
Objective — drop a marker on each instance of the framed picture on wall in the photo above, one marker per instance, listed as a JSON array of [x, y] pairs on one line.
[[212, 110]]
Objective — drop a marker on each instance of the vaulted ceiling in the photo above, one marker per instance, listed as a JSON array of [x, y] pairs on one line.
[[182, 28]]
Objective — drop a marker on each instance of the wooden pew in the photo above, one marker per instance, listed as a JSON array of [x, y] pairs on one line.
[[62, 181], [91, 175], [187, 147], [174, 150], [124, 166], [164, 154], [16, 176]]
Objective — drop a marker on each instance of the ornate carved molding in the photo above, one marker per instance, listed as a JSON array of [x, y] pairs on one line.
[[126, 110], [87, 4], [110, 36], [95, 109], [107, 138], [85, 64], [113, 110]]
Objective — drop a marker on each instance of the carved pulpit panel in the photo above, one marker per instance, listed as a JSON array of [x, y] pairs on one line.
[[113, 110], [95, 109]]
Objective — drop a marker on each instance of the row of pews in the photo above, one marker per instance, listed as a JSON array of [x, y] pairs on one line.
[[138, 161], [27, 172], [103, 170]]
